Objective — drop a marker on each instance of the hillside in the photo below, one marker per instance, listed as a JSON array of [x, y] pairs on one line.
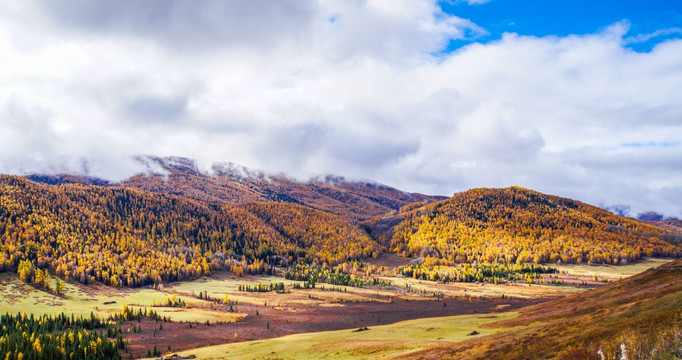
[[233, 184], [131, 237], [641, 312], [520, 225]]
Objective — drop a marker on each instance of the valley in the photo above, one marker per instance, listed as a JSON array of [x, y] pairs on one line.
[[241, 264], [453, 309]]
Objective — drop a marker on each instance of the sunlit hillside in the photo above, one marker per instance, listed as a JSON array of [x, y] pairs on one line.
[[519, 225], [130, 237]]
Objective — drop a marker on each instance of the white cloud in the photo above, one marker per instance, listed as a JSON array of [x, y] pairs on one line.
[[641, 38], [345, 87]]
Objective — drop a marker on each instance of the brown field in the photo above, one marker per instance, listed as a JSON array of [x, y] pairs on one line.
[[268, 315], [641, 313], [275, 321]]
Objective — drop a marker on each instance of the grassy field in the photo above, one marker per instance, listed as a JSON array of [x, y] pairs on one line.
[[255, 312], [377, 342], [612, 272], [219, 285], [519, 290], [637, 312], [642, 314], [81, 300], [16, 296]]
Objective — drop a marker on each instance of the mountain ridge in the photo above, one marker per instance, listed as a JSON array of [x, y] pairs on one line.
[[520, 225], [235, 184], [134, 237]]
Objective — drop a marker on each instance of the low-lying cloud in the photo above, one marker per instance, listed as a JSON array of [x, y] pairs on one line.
[[357, 88]]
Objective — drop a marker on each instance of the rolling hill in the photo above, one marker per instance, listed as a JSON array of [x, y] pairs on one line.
[[640, 314], [184, 223], [233, 184], [520, 225], [123, 236]]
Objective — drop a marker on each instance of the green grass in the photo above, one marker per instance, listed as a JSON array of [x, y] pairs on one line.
[[16, 296], [380, 341], [637, 311], [612, 271], [219, 285]]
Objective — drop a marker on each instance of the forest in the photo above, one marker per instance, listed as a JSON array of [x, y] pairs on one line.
[[24, 337], [490, 273], [127, 237], [231, 184], [516, 225]]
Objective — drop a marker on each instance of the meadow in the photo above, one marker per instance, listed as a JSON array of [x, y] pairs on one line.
[[404, 316], [378, 341]]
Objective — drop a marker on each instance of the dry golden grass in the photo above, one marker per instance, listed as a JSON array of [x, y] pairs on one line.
[[382, 341], [645, 306]]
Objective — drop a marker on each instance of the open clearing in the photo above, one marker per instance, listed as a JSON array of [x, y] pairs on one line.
[[399, 338], [101, 300], [612, 272], [256, 316]]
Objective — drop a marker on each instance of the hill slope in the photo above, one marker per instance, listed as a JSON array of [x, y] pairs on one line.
[[641, 312], [133, 237], [520, 225], [229, 183]]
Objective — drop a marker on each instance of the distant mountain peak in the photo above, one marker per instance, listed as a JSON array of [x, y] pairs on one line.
[[228, 182], [654, 216]]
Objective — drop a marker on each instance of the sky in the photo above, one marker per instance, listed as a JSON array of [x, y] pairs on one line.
[[574, 98]]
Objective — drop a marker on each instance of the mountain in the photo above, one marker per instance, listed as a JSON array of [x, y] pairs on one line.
[[520, 225], [654, 216], [640, 314], [234, 184], [123, 236], [179, 221]]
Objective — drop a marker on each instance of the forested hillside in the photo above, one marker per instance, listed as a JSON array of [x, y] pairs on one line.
[[520, 225], [229, 183], [123, 236]]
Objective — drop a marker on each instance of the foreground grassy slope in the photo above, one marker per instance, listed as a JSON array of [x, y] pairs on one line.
[[404, 337], [131, 237], [520, 225], [643, 312]]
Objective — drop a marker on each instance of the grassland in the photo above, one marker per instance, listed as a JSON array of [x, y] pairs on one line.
[[638, 311], [265, 322], [610, 271], [101, 300], [642, 314], [379, 341]]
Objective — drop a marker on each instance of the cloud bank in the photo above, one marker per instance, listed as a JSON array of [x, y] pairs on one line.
[[357, 88]]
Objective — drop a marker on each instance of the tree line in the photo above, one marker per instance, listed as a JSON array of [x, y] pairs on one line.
[[126, 237], [516, 225], [24, 337], [491, 273]]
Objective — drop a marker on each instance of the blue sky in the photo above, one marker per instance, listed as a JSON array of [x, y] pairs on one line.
[[574, 17]]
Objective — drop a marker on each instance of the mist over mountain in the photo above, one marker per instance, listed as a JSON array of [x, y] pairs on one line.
[[235, 184], [153, 173], [654, 216]]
